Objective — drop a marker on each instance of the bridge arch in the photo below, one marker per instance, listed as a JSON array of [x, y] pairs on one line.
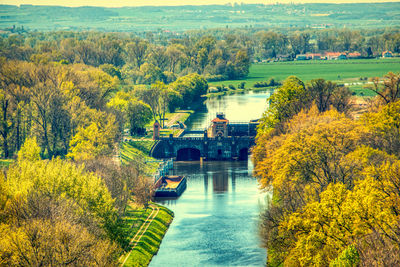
[[244, 153], [188, 154]]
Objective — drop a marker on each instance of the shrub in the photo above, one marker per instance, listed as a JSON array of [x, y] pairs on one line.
[[260, 84]]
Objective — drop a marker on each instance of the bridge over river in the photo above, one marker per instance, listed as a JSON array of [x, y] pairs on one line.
[[223, 140]]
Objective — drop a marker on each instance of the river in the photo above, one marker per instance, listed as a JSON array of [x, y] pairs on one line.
[[216, 218]]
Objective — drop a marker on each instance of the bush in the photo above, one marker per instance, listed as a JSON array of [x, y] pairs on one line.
[[271, 82], [232, 87], [241, 85], [214, 78], [260, 84]]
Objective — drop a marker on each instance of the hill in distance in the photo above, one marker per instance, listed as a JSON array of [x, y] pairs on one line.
[[181, 18]]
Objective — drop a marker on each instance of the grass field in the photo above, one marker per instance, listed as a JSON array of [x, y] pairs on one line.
[[340, 71]]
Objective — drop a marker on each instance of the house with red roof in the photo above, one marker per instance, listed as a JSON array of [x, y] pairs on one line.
[[219, 126], [332, 55], [353, 55]]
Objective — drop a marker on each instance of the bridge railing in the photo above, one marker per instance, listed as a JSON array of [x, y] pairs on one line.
[[238, 122], [209, 138], [196, 130], [163, 169]]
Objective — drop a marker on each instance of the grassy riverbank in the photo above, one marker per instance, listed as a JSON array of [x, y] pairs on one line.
[[149, 243], [134, 150]]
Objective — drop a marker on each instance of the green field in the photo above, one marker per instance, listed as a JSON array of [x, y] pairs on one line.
[[340, 71]]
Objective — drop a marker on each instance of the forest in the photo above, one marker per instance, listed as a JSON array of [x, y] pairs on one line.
[[335, 176], [66, 199]]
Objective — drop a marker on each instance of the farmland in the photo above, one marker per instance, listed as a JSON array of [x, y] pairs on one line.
[[340, 71]]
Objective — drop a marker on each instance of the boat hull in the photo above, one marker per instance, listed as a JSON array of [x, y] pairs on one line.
[[161, 191]]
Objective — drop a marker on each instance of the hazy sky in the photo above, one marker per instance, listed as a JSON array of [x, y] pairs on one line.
[[119, 3]]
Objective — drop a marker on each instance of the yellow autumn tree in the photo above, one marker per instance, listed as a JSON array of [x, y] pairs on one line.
[[30, 150], [384, 128], [55, 213], [335, 184]]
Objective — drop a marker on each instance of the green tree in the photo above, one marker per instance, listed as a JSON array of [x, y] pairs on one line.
[[242, 64], [284, 103], [136, 52], [190, 87], [327, 93], [139, 114]]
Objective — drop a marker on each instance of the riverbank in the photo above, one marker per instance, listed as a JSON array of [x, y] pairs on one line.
[[146, 228]]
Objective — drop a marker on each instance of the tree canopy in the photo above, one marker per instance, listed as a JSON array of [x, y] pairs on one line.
[[334, 180]]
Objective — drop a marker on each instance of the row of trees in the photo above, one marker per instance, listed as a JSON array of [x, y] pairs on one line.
[[335, 179], [263, 44], [135, 59]]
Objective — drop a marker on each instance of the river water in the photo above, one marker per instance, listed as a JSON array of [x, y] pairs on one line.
[[216, 218]]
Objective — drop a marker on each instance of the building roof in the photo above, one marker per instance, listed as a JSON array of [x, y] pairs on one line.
[[219, 120], [313, 54], [333, 54], [355, 54]]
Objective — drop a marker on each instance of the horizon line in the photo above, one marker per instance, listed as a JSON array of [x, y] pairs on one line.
[[216, 4]]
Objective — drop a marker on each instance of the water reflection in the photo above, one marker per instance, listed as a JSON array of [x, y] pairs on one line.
[[216, 218], [238, 107]]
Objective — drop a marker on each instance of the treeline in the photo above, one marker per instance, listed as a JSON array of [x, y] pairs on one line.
[[266, 43], [335, 179], [139, 60]]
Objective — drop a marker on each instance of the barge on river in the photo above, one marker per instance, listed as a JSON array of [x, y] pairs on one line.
[[170, 186]]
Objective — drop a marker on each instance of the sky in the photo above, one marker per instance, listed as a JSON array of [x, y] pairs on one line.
[[120, 3]]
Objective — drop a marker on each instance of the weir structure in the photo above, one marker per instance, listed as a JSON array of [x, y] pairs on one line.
[[223, 140]]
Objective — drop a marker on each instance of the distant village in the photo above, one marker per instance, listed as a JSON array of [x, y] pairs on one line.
[[325, 56]]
